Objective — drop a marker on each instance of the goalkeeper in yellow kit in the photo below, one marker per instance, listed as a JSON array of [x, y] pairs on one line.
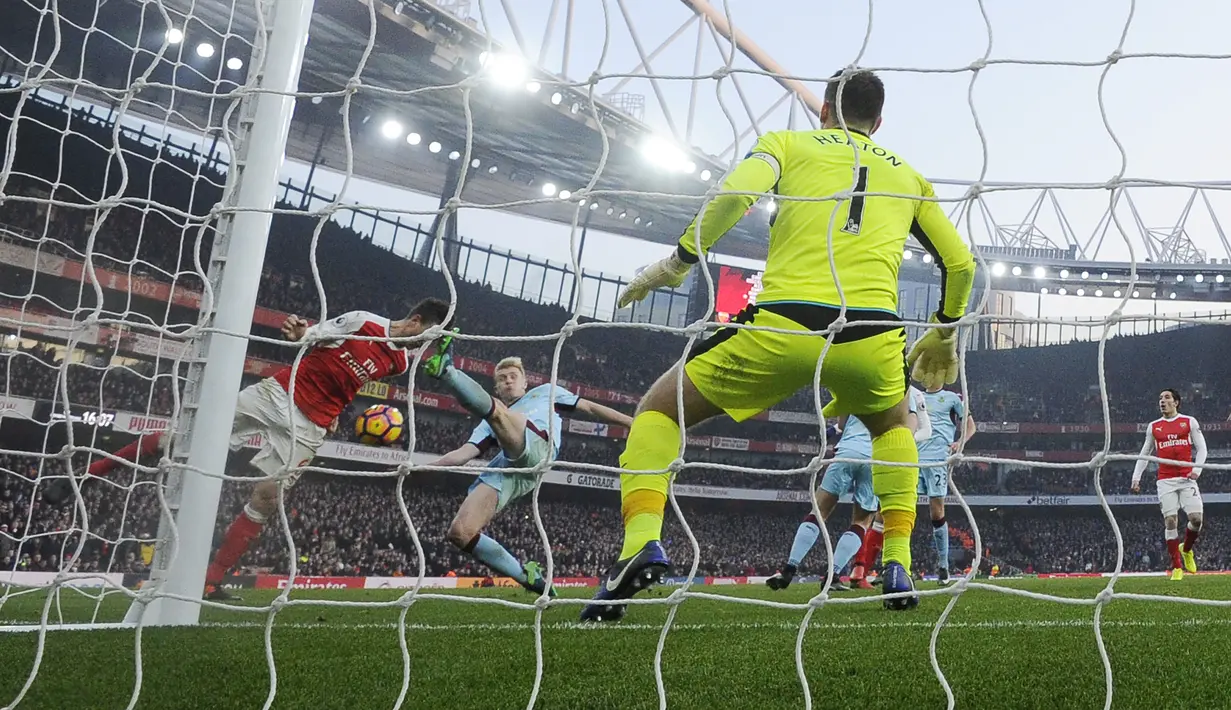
[[742, 372]]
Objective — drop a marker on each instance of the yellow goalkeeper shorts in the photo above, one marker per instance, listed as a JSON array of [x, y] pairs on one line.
[[744, 372]]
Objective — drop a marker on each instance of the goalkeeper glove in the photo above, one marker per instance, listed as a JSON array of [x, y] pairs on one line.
[[668, 272], [933, 360]]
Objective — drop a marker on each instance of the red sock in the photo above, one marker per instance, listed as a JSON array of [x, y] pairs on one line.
[[144, 445], [1173, 546], [872, 541], [1190, 539], [239, 536]]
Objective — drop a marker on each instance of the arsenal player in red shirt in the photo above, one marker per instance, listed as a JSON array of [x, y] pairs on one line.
[[327, 380], [1177, 438]]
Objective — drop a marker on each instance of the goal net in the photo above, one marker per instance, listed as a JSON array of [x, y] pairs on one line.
[[180, 176]]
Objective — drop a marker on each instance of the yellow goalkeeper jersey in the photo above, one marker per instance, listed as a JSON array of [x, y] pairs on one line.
[[869, 232]]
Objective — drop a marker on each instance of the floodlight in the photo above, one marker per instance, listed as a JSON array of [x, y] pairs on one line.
[[505, 69], [391, 129]]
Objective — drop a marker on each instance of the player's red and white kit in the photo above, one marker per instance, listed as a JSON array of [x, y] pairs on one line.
[[327, 380], [1178, 439]]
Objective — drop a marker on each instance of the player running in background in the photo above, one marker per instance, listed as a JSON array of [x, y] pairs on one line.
[[945, 410], [1176, 437], [327, 380], [742, 372], [515, 425], [839, 479]]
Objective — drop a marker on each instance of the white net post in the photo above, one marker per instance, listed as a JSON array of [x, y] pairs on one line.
[[178, 575]]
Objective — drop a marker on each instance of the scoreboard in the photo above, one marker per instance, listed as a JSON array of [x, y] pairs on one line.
[[735, 289]]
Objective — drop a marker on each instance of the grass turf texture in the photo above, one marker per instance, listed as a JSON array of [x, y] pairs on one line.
[[997, 651]]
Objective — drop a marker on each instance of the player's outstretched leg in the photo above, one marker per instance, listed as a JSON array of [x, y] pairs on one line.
[[59, 490], [653, 443], [469, 393], [465, 533], [240, 534]]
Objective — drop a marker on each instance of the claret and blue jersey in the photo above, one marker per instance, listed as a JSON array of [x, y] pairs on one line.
[[945, 410], [541, 407]]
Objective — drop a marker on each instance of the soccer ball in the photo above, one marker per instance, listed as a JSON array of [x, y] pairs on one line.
[[379, 424]]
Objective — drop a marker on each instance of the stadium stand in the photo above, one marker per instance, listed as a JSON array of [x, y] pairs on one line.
[[347, 526]]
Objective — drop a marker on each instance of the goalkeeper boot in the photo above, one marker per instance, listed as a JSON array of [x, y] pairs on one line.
[[782, 578], [536, 580], [442, 360], [1190, 561], [1177, 574], [624, 579], [894, 581]]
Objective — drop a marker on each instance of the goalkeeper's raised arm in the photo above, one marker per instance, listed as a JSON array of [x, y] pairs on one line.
[[868, 232], [847, 206]]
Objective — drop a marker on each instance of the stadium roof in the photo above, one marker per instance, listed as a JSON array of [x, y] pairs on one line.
[[422, 55], [532, 138]]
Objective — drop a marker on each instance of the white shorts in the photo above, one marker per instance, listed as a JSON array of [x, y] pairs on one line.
[[1176, 494], [262, 409]]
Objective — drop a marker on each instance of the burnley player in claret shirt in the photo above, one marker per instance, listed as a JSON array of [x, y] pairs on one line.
[[1177, 438]]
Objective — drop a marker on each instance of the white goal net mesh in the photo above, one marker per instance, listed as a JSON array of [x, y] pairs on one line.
[[128, 128]]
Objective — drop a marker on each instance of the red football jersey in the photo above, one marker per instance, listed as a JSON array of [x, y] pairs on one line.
[[1173, 439], [331, 373]]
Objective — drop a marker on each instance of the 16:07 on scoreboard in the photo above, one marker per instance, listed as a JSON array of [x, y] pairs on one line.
[[77, 414]]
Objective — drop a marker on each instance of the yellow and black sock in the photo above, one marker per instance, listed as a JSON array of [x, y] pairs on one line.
[[896, 486], [653, 443]]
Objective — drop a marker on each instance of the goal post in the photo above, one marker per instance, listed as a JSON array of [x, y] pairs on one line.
[[244, 215]]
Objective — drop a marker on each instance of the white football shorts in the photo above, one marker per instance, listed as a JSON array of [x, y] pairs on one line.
[[1176, 494], [262, 409]]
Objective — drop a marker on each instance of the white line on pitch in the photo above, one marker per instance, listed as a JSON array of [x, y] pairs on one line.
[[743, 626], [737, 625]]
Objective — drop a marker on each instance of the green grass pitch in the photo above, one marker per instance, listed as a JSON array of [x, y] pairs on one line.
[[998, 651]]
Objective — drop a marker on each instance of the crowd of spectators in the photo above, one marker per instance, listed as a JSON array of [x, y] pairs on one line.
[[1053, 384], [345, 525]]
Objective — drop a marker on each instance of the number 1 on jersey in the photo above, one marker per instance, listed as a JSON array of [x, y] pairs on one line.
[[854, 218]]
